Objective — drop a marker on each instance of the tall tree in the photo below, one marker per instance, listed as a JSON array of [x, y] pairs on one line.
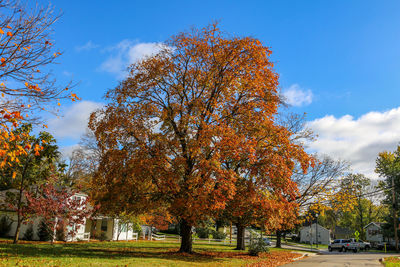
[[180, 115], [356, 185], [28, 170], [388, 167], [83, 162]]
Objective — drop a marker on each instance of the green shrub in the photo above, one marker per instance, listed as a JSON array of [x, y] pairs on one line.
[[102, 236], [60, 233], [5, 226], [218, 235], [44, 231], [28, 235], [258, 246], [203, 232]]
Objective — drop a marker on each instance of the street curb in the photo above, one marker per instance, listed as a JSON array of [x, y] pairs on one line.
[[303, 255]]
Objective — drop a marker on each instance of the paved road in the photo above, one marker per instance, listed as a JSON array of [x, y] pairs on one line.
[[334, 259]]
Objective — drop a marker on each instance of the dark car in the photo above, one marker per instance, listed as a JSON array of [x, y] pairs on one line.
[[389, 246]]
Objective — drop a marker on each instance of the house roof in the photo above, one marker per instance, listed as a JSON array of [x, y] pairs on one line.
[[313, 226], [4, 206], [377, 224]]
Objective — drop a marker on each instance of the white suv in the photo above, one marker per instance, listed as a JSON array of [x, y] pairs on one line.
[[343, 245]]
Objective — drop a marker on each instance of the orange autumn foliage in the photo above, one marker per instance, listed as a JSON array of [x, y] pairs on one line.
[[158, 219], [24, 89], [180, 116]]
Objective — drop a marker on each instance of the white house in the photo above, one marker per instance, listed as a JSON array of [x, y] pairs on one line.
[[11, 215], [374, 232], [100, 227], [309, 234], [108, 228]]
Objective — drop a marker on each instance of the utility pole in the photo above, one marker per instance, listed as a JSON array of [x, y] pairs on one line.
[[316, 231], [396, 238]]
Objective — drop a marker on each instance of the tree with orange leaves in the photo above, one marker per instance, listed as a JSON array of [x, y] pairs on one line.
[[27, 171], [179, 116], [265, 192], [26, 84]]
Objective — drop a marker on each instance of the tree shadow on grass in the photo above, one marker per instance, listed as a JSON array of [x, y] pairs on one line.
[[60, 251]]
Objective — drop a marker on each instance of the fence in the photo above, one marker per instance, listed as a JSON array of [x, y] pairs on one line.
[[79, 236], [157, 237], [177, 238], [135, 236]]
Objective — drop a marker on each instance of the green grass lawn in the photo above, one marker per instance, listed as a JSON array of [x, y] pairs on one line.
[[392, 262], [139, 253]]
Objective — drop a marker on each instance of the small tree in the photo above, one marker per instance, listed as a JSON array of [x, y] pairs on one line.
[[28, 171], [44, 232], [56, 204], [28, 235]]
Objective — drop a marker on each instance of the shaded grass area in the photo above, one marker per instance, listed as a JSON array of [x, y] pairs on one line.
[[139, 253], [392, 262]]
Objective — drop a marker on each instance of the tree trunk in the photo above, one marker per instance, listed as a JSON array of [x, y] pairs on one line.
[[240, 245], [54, 235], [19, 204], [186, 234], [16, 235], [278, 239]]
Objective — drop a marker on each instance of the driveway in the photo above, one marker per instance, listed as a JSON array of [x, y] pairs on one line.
[[342, 259]]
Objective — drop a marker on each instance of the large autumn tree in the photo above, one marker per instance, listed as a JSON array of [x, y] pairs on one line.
[[174, 123]]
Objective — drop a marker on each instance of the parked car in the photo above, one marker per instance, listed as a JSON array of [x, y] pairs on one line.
[[267, 241], [344, 245], [389, 246], [363, 245]]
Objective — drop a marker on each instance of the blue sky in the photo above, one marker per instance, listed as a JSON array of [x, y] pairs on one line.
[[338, 61]]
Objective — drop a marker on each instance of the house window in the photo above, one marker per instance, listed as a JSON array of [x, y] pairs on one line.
[[122, 227], [104, 225], [374, 232]]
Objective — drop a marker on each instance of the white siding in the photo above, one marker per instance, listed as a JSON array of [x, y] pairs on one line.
[[374, 233], [308, 233]]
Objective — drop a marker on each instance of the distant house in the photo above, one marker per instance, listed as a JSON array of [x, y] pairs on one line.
[[374, 232], [309, 234], [11, 215], [108, 228]]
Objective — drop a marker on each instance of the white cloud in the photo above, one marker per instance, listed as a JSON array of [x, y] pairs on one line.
[[73, 123], [86, 47], [297, 96], [358, 140], [125, 53], [66, 151]]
